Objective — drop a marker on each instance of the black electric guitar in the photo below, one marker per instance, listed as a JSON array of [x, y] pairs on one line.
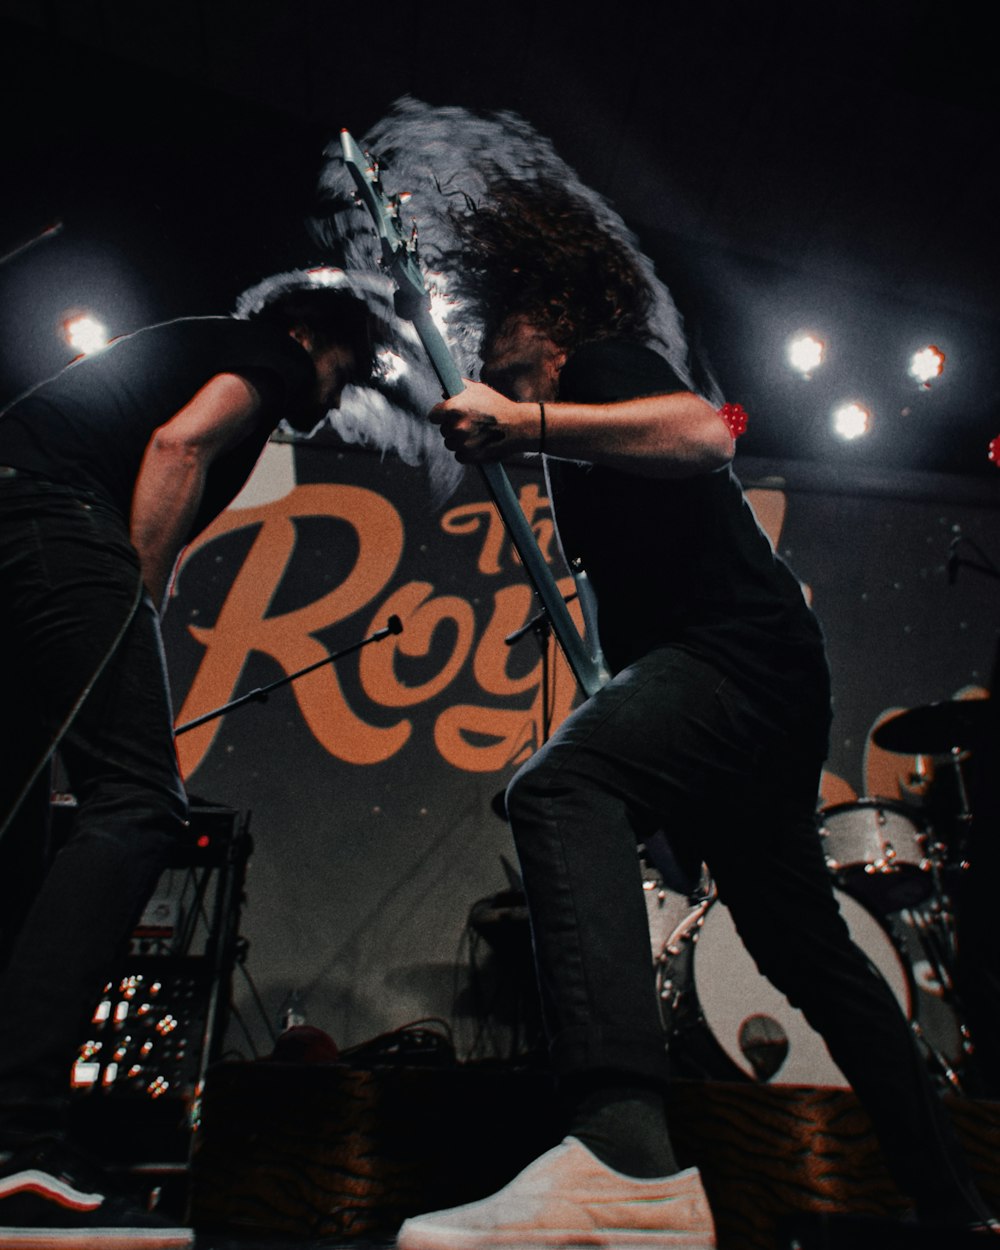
[[399, 256]]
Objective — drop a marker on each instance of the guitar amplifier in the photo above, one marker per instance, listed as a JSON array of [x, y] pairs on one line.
[[206, 841]]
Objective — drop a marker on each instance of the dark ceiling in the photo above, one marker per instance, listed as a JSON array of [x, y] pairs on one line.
[[832, 168]]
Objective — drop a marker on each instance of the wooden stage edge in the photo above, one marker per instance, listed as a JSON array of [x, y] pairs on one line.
[[327, 1151]]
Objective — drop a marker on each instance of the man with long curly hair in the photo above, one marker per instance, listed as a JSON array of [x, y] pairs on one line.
[[713, 728]]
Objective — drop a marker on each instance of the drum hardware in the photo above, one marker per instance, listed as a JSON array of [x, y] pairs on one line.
[[938, 1062], [934, 927], [672, 917], [878, 852], [935, 728], [670, 985], [947, 805], [927, 940], [947, 732], [894, 863], [670, 913]]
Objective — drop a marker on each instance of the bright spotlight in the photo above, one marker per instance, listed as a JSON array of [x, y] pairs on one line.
[[85, 333], [851, 421], [926, 365], [327, 275], [805, 354]]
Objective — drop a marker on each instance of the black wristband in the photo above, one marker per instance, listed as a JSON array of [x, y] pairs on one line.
[[541, 431]]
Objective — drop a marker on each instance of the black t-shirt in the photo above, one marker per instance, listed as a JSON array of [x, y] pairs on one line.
[[89, 426], [682, 562]]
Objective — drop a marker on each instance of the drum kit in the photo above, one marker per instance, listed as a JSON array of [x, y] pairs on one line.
[[893, 872]]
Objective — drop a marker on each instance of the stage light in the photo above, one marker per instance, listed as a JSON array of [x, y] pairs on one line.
[[805, 354], [85, 333], [851, 421], [327, 275], [926, 365]]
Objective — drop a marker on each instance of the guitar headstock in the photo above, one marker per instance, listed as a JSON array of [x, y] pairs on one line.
[[399, 249]]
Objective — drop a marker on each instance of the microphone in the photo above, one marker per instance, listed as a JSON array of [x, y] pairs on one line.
[[539, 619]]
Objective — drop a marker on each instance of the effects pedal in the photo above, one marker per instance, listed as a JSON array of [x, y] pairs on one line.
[[147, 1035]]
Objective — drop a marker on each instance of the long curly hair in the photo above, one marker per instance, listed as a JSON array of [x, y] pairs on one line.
[[532, 249]]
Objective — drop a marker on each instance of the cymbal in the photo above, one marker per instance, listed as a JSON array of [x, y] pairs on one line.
[[935, 728]]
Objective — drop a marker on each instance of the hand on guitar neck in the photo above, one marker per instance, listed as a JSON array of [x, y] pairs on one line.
[[482, 426], [663, 436]]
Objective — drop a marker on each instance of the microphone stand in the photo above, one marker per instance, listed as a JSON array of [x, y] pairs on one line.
[[394, 626], [541, 626]]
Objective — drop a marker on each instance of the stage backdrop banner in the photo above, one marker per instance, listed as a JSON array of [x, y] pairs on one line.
[[372, 782]]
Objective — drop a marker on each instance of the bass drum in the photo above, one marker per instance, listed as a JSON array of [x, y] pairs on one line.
[[752, 1029]]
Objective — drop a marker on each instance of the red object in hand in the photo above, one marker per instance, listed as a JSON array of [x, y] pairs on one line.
[[735, 418], [994, 451]]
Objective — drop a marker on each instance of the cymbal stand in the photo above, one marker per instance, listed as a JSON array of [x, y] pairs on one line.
[[932, 927]]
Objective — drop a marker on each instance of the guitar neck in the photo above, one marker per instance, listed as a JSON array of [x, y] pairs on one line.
[[413, 303], [585, 668]]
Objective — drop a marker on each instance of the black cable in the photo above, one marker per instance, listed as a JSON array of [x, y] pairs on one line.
[[255, 995], [238, 1017]]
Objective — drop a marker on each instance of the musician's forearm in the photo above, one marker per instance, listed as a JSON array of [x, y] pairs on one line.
[[658, 436], [675, 435]]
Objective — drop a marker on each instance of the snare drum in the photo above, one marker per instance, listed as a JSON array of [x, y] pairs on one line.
[[875, 850], [754, 1025]]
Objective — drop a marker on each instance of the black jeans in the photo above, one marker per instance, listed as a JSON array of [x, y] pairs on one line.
[[69, 579], [672, 743]]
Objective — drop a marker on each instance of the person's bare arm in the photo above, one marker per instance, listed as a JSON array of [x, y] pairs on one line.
[[171, 480], [676, 435]]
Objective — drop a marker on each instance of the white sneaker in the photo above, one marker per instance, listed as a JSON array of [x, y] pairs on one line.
[[54, 1198], [568, 1197]]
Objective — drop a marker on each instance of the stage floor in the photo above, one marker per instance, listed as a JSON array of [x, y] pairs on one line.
[[326, 1157], [827, 1233], [211, 1241]]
